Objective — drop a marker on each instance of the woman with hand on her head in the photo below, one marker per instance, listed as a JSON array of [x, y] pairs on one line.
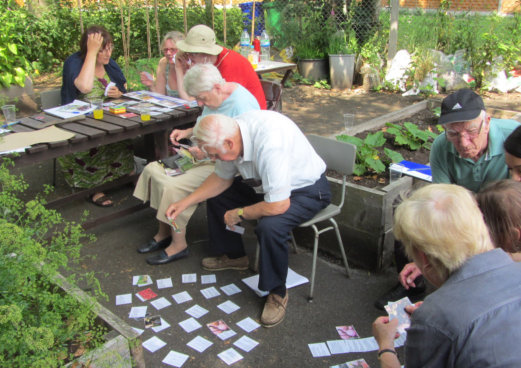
[[86, 75], [167, 78]]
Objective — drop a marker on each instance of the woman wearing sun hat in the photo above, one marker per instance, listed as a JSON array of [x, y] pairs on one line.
[[199, 47]]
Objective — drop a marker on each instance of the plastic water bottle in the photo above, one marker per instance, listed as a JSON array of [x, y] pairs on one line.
[[265, 47], [245, 43]]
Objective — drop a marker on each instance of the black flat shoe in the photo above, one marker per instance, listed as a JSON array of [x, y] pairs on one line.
[[163, 258], [152, 245]]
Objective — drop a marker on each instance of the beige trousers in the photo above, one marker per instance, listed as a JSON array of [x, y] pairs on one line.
[[162, 190]]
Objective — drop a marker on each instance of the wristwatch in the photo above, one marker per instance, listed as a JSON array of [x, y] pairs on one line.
[[240, 212]]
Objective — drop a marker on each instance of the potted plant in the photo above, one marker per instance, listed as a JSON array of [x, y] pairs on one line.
[[342, 58]]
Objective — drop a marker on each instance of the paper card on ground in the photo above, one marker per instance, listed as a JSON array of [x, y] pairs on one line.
[[123, 299], [245, 343], [230, 356], [221, 329], [175, 359], [347, 332], [319, 349], [397, 310], [160, 303], [190, 324], [182, 297], [230, 289], [200, 344], [359, 363], [248, 324], [228, 307], [208, 279], [196, 311], [338, 346], [188, 278], [163, 326], [152, 321], [153, 344], [164, 283], [293, 279], [146, 294], [141, 280], [138, 312], [210, 292]]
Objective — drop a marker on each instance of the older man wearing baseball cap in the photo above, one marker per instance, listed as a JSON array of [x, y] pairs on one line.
[[469, 153], [200, 46]]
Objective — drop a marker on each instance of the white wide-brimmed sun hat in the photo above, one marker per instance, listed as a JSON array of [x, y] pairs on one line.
[[201, 39]]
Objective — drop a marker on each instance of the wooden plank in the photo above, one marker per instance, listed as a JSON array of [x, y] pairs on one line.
[[102, 125], [85, 130], [127, 124]]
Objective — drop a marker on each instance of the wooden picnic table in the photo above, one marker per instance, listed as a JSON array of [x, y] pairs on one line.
[[90, 133]]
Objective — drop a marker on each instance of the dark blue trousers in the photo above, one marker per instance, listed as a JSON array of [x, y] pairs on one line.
[[273, 232]]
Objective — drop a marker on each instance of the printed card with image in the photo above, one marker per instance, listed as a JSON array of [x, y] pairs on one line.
[[152, 321], [221, 329], [347, 332], [146, 294], [397, 310], [142, 280]]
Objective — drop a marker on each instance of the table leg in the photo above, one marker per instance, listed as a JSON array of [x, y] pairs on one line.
[[286, 76]]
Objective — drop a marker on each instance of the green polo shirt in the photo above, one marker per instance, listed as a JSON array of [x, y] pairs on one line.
[[449, 167]]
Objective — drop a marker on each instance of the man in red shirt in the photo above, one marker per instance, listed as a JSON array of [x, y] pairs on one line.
[[199, 47]]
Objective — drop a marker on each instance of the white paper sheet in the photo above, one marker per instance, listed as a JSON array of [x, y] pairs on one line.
[[196, 311], [230, 356], [245, 343], [200, 344], [138, 312], [123, 299], [319, 349], [248, 324], [210, 292], [230, 289], [182, 297], [293, 279], [153, 344], [163, 326], [208, 279], [228, 307], [188, 278], [175, 359], [164, 283], [160, 303], [190, 324]]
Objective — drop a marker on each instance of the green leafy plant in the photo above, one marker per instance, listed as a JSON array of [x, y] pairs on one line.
[[411, 136], [322, 84], [39, 322], [368, 157], [341, 43]]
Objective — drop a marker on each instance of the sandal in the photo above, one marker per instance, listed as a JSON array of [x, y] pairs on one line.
[[101, 200]]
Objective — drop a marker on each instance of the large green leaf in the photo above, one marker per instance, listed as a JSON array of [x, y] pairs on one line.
[[393, 155], [375, 139]]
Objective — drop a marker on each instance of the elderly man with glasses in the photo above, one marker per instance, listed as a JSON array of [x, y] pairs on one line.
[[469, 153]]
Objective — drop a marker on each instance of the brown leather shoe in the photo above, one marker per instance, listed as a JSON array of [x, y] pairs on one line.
[[225, 263], [274, 310]]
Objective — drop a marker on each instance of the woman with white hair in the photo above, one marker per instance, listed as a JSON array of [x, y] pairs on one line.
[[215, 95], [473, 318], [167, 78]]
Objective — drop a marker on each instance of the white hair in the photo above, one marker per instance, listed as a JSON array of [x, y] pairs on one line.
[[201, 78], [213, 129]]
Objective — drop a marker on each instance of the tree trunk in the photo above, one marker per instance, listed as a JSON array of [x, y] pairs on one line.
[[156, 16], [149, 46]]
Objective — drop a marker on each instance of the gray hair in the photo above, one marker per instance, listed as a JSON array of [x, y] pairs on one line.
[[213, 129], [172, 35], [201, 78]]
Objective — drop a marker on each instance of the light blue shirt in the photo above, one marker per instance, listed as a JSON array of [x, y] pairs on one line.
[[449, 167], [240, 101]]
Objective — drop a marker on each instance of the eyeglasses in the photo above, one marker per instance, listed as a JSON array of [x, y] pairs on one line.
[[171, 49], [470, 133], [108, 48]]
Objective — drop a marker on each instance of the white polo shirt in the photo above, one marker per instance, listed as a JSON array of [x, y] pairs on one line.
[[276, 152]]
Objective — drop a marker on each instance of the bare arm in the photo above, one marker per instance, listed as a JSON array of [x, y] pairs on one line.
[[211, 187], [181, 67], [384, 331], [85, 80], [160, 84], [256, 211]]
